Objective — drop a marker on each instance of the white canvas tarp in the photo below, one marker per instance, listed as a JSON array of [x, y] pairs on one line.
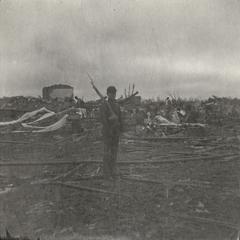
[[57, 125], [41, 114], [162, 121], [26, 116], [45, 116], [26, 125]]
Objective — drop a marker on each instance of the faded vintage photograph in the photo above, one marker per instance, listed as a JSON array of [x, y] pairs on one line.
[[120, 120]]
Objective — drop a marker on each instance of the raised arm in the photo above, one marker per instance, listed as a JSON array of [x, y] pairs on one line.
[[95, 88], [122, 101]]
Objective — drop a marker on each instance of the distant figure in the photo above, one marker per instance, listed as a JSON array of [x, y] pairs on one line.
[[111, 120], [140, 115], [168, 108], [79, 103], [181, 115], [168, 101]]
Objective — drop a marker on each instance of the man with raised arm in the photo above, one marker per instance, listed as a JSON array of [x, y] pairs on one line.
[[110, 115]]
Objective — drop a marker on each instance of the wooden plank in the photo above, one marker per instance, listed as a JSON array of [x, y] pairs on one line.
[[88, 189], [217, 158]]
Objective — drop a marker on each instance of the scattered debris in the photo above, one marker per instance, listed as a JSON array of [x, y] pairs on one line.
[[178, 162]]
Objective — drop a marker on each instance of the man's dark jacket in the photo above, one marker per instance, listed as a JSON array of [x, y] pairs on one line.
[[110, 128]]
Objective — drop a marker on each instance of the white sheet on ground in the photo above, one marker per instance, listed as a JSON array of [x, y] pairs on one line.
[[26, 116], [162, 121], [26, 125], [57, 125], [46, 115]]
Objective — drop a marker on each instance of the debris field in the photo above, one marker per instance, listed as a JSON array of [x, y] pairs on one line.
[[173, 185]]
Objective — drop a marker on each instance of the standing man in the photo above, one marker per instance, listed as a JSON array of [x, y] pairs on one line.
[[111, 120]]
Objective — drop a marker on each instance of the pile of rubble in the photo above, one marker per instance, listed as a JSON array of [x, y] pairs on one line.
[[28, 104], [160, 118], [143, 118]]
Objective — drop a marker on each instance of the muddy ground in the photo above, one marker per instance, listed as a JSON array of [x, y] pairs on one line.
[[185, 187]]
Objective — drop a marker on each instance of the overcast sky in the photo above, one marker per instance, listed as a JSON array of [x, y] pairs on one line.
[[187, 47]]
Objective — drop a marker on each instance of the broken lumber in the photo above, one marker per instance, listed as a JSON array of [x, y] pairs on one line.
[[88, 189], [205, 220], [217, 158], [49, 163], [22, 142], [159, 138], [68, 173], [144, 180], [187, 184]]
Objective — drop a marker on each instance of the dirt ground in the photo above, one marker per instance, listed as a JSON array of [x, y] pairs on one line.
[[184, 187]]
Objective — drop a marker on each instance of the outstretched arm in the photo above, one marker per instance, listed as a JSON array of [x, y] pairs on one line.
[[122, 101], [95, 88]]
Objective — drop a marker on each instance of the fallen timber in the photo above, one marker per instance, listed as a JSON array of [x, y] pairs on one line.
[[156, 139], [84, 188], [24, 143], [206, 220], [170, 184], [216, 158]]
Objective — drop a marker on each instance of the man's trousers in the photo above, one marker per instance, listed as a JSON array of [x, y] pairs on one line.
[[111, 144]]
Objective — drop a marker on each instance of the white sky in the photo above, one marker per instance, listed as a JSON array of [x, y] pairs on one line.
[[187, 47]]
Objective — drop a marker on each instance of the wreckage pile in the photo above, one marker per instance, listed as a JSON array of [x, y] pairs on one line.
[[142, 118], [28, 104], [179, 116]]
